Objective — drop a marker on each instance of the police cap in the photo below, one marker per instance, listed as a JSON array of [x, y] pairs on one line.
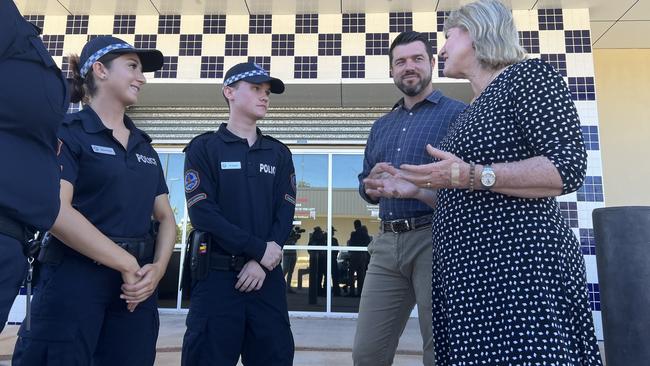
[[252, 73], [97, 47]]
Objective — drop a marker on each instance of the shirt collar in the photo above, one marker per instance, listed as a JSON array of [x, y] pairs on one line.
[[434, 98], [93, 124], [228, 136]]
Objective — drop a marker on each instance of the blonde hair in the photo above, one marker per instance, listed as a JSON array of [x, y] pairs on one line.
[[492, 29]]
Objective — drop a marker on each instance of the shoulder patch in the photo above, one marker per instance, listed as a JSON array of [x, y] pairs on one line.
[[196, 138], [192, 180]]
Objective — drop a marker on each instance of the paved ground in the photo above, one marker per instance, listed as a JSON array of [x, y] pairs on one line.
[[319, 342]]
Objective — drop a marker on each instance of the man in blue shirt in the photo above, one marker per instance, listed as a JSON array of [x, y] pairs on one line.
[[240, 188], [399, 272]]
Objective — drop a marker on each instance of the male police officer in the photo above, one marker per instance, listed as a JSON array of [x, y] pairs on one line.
[[33, 101], [240, 188]]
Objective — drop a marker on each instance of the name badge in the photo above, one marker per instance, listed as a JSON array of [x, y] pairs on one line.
[[225, 165], [103, 150]]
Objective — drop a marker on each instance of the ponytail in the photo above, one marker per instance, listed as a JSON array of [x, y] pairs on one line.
[[77, 90], [84, 88]]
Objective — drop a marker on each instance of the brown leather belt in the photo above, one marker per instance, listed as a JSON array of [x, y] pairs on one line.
[[404, 225]]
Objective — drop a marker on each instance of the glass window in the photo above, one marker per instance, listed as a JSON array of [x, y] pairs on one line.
[[306, 250], [172, 164], [321, 263], [356, 222]]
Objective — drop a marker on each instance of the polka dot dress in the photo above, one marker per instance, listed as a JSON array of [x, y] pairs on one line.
[[509, 285]]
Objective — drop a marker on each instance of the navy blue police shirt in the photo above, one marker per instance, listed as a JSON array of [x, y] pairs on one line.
[[114, 188], [244, 196], [33, 102]]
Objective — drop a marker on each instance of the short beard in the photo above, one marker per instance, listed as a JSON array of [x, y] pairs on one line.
[[415, 89]]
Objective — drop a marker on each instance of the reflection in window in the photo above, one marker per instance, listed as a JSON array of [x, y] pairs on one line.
[[356, 222], [311, 197], [172, 164]]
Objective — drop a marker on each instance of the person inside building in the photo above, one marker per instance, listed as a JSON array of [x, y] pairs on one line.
[[317, 264], [33, 102], [96, 301], [509, 282], [358, 259], [240, 188]]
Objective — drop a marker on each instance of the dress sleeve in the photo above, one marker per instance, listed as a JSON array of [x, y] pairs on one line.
[[549, 120]]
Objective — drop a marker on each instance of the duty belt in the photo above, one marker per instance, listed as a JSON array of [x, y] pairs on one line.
[[220, 262], [404, 225], [13, 228], [141, 248], [53, 249]]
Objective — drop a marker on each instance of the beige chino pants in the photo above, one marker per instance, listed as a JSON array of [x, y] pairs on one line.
[[398, 277]]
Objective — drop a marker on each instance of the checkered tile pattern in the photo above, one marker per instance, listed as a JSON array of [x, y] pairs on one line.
[[308, 35], [124, 24], [345, 46], [37, 20]]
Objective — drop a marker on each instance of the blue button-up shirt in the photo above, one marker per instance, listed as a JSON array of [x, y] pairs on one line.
[[400, 137]]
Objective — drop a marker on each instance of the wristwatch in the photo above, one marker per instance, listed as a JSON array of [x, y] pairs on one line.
[[488, 178]]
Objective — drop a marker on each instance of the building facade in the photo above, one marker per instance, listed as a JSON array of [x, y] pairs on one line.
[[334, 59]]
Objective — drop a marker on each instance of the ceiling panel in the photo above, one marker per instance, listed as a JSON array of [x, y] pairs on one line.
[[626, 35], [640, 11], [446, 5], [294, 7], [521, 4], [108, 7], [385, 6], [163, 93], [597, 30], [40, 7], [598, 9], [197, 7]]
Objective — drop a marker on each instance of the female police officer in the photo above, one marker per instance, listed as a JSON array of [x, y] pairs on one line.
[[111, 184], [33, 102]]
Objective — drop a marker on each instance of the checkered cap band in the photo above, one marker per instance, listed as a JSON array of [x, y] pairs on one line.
[[97, 55], [244, 75]]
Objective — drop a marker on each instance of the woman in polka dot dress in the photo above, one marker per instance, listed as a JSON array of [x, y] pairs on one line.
[[509, 285]]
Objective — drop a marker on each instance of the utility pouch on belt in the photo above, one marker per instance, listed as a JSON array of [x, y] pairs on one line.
[[197, 258], [51, 252]]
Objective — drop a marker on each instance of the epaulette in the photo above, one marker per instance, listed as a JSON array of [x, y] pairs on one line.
[[196, 137], [146, 136], [69, 118], [278, 141]]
